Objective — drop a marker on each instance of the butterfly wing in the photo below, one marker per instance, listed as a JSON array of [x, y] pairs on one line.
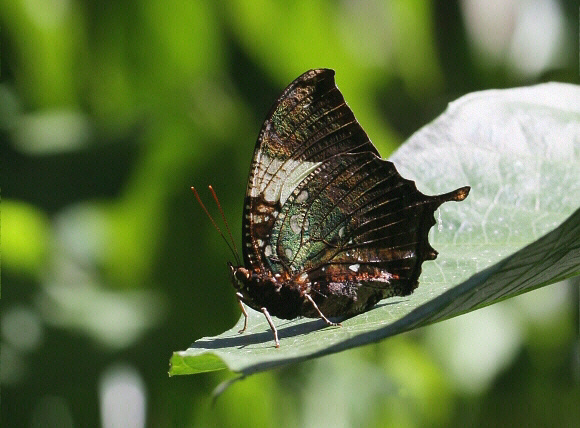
[[323, 209], [309, 123]]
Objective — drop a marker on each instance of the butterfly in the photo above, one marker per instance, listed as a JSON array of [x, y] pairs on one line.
[[329, 228]]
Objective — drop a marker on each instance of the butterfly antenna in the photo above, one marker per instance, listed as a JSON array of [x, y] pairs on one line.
[[215, 224], [236, 254]]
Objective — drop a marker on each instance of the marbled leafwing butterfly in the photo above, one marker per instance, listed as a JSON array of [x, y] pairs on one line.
[[329, 227]]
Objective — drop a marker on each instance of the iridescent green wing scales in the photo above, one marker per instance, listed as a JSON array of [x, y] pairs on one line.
[[357, 220], [308, 124]]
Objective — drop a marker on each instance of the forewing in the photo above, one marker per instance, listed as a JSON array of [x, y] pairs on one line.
[[309, 124]]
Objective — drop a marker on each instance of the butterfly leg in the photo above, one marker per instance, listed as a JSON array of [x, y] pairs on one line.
[[239, 296], [272, 326], [326, 320]]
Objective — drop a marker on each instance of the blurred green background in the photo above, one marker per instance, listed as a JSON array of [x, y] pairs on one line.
[[110, 110]]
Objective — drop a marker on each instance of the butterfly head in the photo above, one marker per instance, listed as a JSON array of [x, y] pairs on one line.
[[239, 276]]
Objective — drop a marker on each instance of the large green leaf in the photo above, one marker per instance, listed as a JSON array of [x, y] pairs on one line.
[[518, 230]]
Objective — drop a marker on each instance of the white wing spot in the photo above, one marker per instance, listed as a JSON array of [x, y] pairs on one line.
[[295, 224], [302, 196], [354, 267]]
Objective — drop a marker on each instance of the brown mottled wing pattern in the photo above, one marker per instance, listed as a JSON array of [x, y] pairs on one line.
[[308, 124], [320, 202]]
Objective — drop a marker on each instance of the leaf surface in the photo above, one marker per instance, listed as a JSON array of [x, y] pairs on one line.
[[519, 229]]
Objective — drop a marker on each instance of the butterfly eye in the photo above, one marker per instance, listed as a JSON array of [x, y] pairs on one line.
[[242, 274]]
